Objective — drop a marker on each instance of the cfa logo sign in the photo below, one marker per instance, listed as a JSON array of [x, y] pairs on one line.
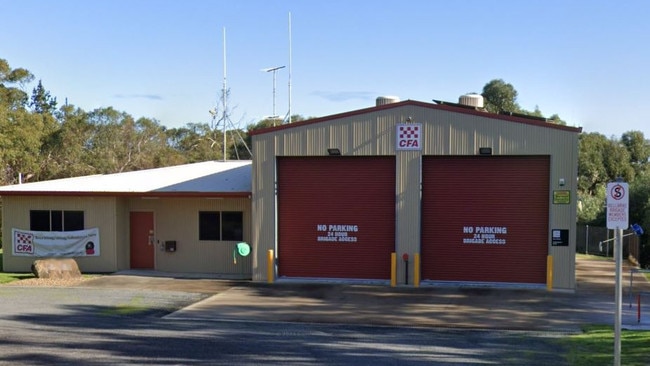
[[23, 243], [25, 248], [409, 136]]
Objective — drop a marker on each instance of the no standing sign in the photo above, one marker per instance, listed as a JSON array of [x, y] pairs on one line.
[[618, 200]]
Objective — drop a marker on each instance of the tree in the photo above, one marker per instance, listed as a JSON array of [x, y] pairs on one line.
[[617, 161], [591, 209], [21, 136], [638, 148], [12, 97], [500, 96], [555, 118], [267, 123], [197, 142], [639, 211], [118, 143], [591, 166], [600, 160], [65, 149], [42, 102]]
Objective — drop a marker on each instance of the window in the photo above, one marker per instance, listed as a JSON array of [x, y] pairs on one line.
[[232, 223], [215, 225], [73, 220], [56, 220], [39, 220], [209, 225]]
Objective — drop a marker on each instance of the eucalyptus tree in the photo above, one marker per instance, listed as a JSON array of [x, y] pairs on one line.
[[196, 142], [639, 149], [500, 96], [12, 96], [600, 160], [117, 142], [65, 149]]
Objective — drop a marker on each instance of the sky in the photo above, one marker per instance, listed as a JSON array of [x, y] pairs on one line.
[[587, 61]]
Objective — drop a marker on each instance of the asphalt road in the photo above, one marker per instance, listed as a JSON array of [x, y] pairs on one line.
[[123, 320], [92, 334], [108, 326]]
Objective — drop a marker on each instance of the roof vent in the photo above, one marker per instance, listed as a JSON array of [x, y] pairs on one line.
[[386, 100], [471, 100]]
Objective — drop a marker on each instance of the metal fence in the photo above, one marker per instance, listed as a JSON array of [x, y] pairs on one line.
[[589, 240]]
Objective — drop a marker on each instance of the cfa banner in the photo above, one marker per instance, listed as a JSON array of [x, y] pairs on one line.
[[81, 243]]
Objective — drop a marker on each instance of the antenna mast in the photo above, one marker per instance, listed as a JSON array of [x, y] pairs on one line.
[[289, 67], [223, 94], [273, 70], [224, 118]]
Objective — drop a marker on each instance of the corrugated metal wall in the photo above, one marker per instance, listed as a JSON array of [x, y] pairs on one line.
[[98, 212], [564, 167], [177, 219], [444, 133], [408, 220], [122, 233]]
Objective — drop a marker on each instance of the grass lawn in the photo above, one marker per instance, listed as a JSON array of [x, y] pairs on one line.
[[596, 347], [593, 257], [10, 277]]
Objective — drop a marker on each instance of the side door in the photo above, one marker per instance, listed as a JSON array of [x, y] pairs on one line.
[[142, 240]]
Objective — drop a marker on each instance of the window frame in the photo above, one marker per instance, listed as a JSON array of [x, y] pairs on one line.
[[56, 220], [221, 225]]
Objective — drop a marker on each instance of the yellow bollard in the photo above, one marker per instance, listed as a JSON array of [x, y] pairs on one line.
[[549, 273], [416, 270], [393, 269], [270, 269]]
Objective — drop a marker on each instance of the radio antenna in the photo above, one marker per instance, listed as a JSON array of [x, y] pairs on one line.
[[290, 69], [225, 118]]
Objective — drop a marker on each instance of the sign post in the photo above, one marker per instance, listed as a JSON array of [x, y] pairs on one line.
[[618, 200]]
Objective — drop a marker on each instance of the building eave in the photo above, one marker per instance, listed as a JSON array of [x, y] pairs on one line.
[[534, 121]]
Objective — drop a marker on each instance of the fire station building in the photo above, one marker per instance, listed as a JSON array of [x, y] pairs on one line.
[[459, 195]]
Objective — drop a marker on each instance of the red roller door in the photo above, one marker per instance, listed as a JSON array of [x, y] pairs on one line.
[[336, 216], [485, 218]]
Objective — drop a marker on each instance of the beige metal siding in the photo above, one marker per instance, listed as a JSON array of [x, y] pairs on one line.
[[177, 219], [564, 166], [99, 212], [408, 222], [444, 133], [263, 204], [122, 244]]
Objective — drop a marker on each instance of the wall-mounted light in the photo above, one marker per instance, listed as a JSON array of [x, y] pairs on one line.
[[485, 151], [562, 182], [333, 151]]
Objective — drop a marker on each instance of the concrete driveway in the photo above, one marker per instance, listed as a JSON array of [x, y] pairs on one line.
[[464, 307]]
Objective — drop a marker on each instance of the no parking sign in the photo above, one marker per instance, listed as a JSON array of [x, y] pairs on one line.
[[618, 202]]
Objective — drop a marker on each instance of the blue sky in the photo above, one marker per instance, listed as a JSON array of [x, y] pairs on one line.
[[588, 61]]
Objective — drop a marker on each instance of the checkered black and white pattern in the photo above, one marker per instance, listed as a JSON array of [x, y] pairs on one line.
[[23, 238], [409, 132], [23, 243], [408, 136]]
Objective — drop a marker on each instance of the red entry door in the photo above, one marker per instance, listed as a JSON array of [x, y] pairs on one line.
[[142, 237]]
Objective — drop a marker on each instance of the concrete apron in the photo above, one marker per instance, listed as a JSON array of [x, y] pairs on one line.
[[461, 307]]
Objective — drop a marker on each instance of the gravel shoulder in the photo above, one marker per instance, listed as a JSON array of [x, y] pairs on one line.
[[50, 282]]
